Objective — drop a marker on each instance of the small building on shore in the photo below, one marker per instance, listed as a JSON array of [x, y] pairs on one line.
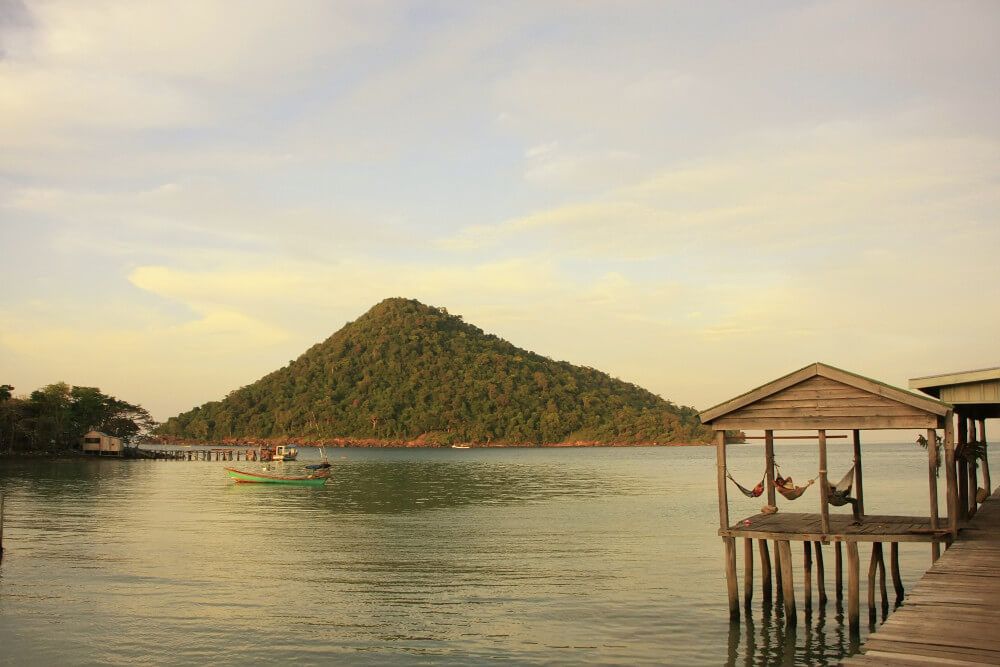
[[100, 444]]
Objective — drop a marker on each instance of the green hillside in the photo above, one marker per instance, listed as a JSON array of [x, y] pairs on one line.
[[408, 372]]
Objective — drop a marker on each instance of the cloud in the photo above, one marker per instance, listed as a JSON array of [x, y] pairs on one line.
[[830, 188]]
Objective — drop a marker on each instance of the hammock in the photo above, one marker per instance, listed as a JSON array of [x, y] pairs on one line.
[[787, 488], [840, 494], [755, 492]]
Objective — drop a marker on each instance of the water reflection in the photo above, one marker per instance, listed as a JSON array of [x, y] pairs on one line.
[[820, 638]]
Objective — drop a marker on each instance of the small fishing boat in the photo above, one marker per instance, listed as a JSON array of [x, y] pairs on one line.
[[322, 465], [461, 446], [245, 477]]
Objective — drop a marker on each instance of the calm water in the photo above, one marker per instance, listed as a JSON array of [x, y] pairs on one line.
[[566, 556]]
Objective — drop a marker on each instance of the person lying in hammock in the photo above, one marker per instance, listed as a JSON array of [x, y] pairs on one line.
[[787, 488]]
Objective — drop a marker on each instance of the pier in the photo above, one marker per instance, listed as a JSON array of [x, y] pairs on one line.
[[821, 398], [950, 616]]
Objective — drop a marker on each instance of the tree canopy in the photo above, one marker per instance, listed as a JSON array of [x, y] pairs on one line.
[[405, 371], [56, 416]]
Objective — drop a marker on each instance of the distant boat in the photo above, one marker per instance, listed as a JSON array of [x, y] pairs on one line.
[[461, 446], [244, 477]]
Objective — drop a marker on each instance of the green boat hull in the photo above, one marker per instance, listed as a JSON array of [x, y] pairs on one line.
[[243, 477]]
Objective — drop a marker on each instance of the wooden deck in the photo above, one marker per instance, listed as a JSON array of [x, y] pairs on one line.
[[951, 617], [806, 527]]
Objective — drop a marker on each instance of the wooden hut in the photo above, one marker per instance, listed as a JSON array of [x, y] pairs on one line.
[[100, 444], [976, 398], [820, 398]]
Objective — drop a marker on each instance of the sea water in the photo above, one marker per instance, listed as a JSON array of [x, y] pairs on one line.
[[414, 556]]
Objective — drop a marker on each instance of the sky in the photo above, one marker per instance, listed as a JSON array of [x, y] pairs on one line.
[[694, 197]]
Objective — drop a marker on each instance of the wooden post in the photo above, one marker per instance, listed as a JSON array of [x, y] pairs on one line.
[[747, 572], [838, 566], [765, 572], [963, 468], [973, 470], [859, 486], [734, 594], [807, 574], [950, 475], [729, 542], [824, 488], [932, 473], [787, 583], [897, 581], [769, 471], [1, 526], [853, 587], [986, 459], [820, 574], [720, 465]]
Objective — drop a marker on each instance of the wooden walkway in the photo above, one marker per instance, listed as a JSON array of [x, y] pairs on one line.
[[952, 616]]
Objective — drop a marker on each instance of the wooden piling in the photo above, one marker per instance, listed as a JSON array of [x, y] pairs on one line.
[[779, 583], [880, 561], [765, 572], [951, 474], [734, 595], [807, 563], [853, 588], [838, 575], [973, 468], [820, 574], [876, 566], [787, 583], [897, 581], [1, 526], [872, 569], [747, 571]]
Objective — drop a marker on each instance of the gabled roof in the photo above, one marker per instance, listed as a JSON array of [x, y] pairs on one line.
[[809, 416]]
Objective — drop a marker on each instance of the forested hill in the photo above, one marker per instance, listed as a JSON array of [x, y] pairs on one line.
[[406, 372]]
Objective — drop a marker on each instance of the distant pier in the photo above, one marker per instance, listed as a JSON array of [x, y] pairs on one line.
[[192, 454]]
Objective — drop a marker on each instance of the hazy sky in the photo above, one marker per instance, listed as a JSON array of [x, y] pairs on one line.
[[695, 197]]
